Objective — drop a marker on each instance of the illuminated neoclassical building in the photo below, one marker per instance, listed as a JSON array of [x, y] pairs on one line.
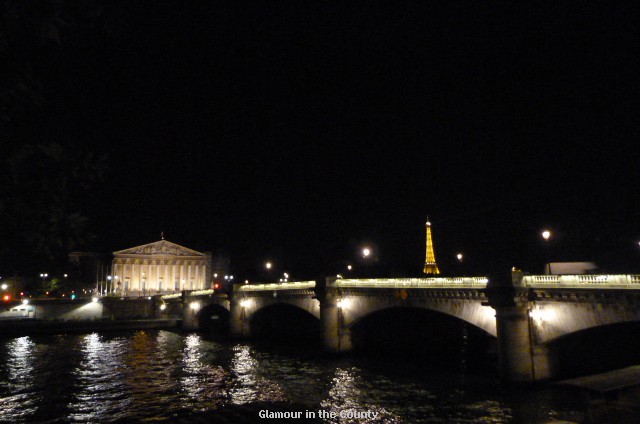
[[160, 267]]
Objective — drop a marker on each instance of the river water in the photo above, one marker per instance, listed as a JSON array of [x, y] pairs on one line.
[[165, 376]]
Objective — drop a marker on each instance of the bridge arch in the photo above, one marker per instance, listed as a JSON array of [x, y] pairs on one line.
[[284, 320], [213, 318], [597, 349], [356, 308], [552, 321]]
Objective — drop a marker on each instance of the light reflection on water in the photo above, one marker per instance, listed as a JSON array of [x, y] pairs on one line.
[[17, 375], [348, 393], [249, 385], [161, 375]]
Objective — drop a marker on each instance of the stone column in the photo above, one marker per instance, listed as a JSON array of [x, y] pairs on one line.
[[521, 360], [515, 351], [189, 318], [238, 322], [335, 336]]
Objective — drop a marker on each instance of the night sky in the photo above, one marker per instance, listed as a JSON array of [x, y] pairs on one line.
[[301, 131]]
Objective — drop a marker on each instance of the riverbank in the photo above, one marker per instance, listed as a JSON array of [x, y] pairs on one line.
[[26, 327], [613, 397]]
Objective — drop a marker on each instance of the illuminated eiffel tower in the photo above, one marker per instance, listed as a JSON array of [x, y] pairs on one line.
[[430, 266]]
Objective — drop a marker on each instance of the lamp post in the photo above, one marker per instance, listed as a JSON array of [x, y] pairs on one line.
[[44, 277], [268, 266], [366, 252], [546, 235], [459, 257]]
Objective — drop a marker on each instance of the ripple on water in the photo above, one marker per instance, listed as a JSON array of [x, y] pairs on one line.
[[162, 375]]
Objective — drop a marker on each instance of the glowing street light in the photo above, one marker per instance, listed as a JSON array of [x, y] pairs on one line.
[[546, 235], [268, 265], [43, 276], [459, 256], [366, 252]]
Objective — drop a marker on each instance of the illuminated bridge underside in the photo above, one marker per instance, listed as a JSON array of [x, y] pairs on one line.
[[303, 299], [563, 304], [558, 312], [458, 297], [465, 304]]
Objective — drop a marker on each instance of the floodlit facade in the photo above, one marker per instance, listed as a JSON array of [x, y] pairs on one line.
[[159, 267]]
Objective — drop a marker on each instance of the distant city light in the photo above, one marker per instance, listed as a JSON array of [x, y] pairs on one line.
[[4, 287], [546, 234], [459, 256], [268, 265], [366, 252], [25, 302], [94, 299]]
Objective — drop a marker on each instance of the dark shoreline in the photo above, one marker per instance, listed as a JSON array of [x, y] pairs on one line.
[[27, 327]]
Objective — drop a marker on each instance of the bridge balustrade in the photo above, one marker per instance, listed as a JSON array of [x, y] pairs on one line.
[[614, 281], [298, 285], [417, 283]]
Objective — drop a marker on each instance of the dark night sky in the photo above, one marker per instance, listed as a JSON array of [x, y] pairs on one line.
[[299, 131]]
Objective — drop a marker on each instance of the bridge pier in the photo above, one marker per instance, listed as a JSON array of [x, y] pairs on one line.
[[238, 322], [521, 360], [336, 337], [189, 312]]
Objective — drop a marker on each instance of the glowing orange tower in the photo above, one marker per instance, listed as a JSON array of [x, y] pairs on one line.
[[430, 266]]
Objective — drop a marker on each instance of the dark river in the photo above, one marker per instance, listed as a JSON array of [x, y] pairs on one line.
[[156, 376]]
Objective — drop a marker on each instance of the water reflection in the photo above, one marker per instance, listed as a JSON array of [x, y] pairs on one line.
[[204, 384], [348, 403], [248, 385], [19, 371], [99, 377], [161, 376]]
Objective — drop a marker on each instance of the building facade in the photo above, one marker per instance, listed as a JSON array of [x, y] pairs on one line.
[[159, 267]]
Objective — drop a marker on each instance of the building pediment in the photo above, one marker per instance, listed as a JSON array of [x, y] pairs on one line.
[[159, 248]]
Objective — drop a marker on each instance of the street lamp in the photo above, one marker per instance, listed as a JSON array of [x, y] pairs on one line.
[[546, 235], [459, 257], [366, 252], [43, 276]]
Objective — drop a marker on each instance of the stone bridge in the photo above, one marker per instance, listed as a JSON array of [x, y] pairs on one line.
[[526, 313]]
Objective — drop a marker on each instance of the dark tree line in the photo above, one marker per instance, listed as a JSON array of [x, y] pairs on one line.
[[46, 174]]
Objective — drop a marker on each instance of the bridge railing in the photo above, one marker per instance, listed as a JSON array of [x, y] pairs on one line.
[[413, 283], [591, 280], [297, 285]]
